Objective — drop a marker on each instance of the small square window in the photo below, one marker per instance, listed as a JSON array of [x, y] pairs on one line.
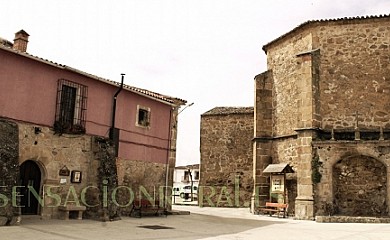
[[186, 176], [143, 117], [196, 177]]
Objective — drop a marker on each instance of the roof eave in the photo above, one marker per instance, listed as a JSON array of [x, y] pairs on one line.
[[311, 22], [169, 101]]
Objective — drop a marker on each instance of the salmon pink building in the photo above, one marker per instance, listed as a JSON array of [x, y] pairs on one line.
[[66, 135]]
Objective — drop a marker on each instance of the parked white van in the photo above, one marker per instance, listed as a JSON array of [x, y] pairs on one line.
[[185, 191]]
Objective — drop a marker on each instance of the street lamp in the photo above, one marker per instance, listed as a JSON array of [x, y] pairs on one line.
[[189, 105], [169, 147], [192, 184]]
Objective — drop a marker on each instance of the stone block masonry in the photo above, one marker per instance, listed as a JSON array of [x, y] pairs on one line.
[[354, 178], [328, 82], [355, 70], [226, 157], [107, 184], [9, 171], [51, 153]]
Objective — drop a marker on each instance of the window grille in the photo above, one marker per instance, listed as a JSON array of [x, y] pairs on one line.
[[71, 107]]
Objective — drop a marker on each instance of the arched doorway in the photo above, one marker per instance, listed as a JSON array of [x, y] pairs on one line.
[[30, 175], [359, 186]]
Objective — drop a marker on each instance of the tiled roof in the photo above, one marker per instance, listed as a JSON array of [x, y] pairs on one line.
[[278, 168], [229, 110], [139, 91], [5, 42], [311, 22]]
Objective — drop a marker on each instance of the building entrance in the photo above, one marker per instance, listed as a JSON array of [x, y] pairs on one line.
[[31, 181]]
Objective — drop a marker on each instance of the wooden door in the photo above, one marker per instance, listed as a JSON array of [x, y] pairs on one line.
[[30, 176]]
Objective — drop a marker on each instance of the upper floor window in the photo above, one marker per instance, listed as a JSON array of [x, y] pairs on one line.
[[196, 176], [143, 116], [71, 107]]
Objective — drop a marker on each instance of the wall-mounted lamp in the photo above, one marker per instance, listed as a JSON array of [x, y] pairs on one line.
[[64, 171], [186, 106]]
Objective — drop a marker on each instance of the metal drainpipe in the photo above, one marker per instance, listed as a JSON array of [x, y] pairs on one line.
[[114, 108], [168, 155]]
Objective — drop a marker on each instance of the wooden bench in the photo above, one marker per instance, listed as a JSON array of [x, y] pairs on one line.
[[143, 206], [275, 208], [72, 208]]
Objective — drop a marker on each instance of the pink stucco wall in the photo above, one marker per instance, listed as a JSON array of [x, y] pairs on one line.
[[28, 91]]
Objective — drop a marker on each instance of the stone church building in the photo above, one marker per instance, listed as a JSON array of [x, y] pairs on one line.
[[323, 107]]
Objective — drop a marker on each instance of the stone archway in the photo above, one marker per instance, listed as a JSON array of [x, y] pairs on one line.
[[30, 176], [359, 187]]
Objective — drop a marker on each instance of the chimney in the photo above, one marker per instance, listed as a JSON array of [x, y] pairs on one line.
[[20, 41]]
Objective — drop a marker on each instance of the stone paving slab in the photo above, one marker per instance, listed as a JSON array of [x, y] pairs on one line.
[[193, 226], [202, 223], [290, 229]]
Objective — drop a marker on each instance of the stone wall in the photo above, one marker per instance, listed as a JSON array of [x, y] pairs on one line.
[[325, 76], [355, 70], [287, 76], [102, 204], [103, 175], [294, 66], [53, 152], [359, 184], [141, 179], [295, 113], [262, 144], [354, 178], [226, 157], [285, 150], [9, 172]]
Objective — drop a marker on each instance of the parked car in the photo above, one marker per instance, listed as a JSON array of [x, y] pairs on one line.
[[185, 192]]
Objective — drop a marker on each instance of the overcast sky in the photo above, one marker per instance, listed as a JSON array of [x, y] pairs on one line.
[[203, 51]]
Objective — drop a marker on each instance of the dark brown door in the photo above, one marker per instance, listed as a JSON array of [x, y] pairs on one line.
[[30, 176]]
